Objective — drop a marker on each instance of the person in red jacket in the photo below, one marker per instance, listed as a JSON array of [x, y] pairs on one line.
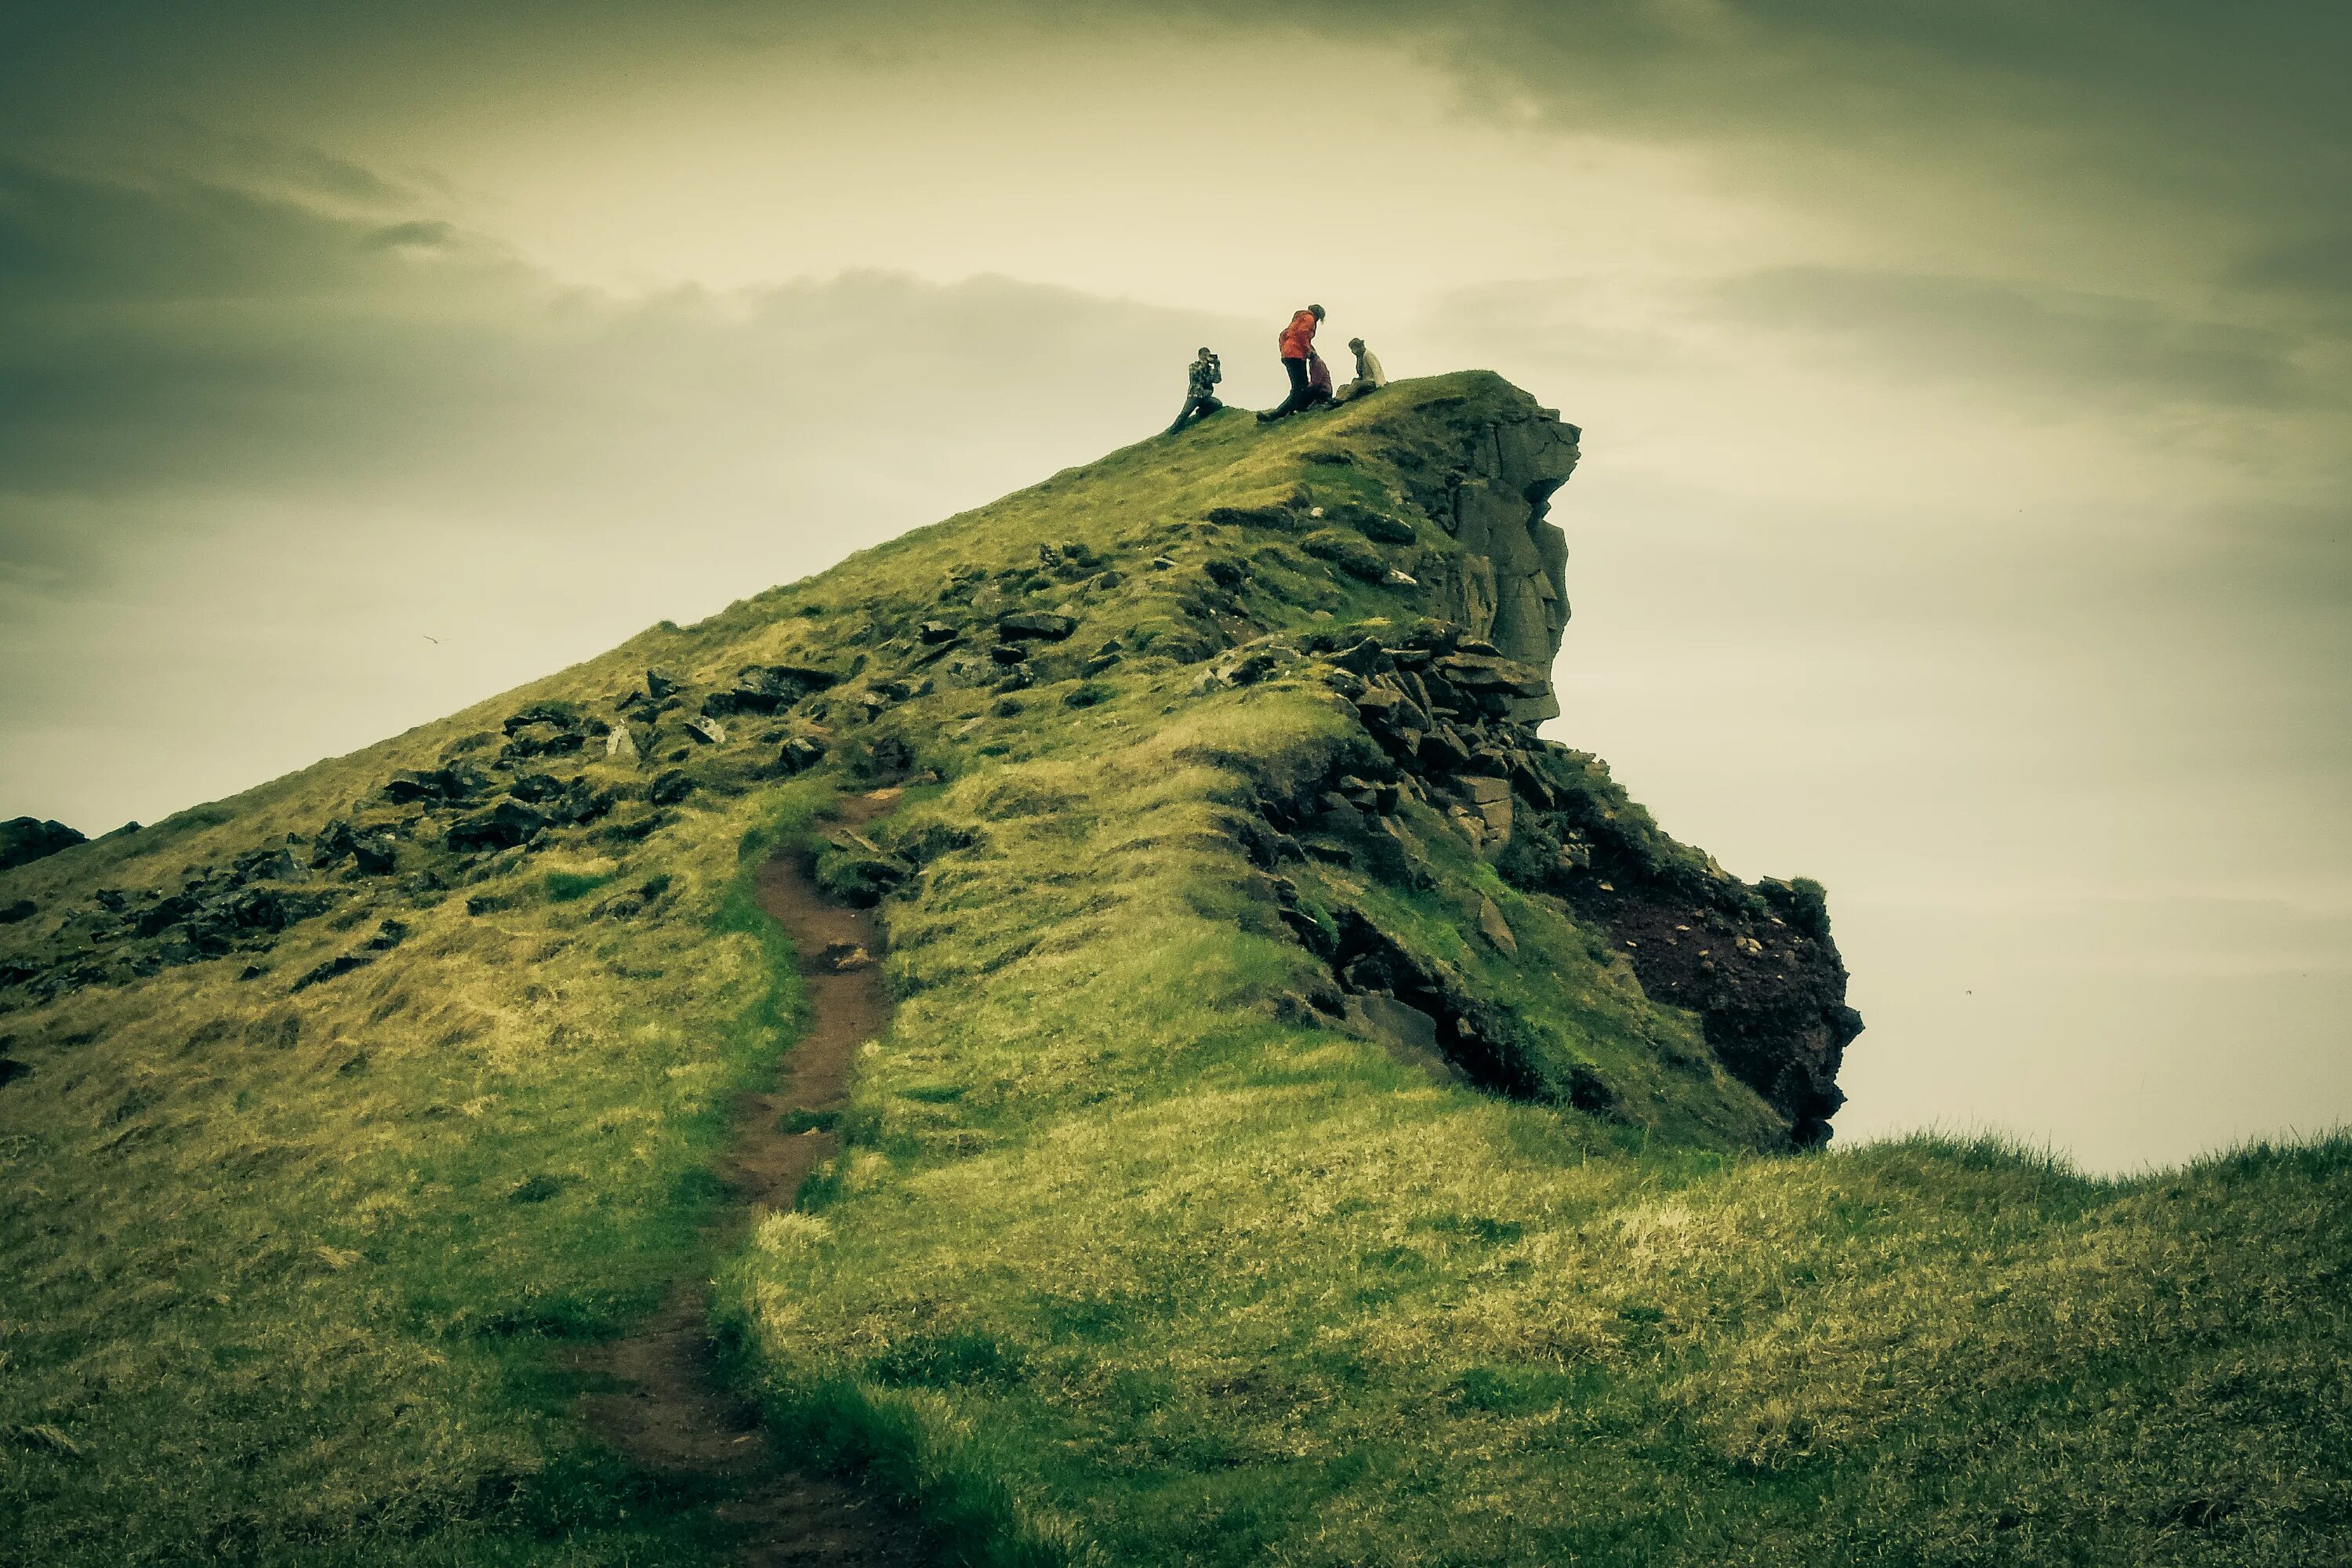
[[1297, 343]]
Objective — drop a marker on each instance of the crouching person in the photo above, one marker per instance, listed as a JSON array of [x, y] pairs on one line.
[[1200, 390]]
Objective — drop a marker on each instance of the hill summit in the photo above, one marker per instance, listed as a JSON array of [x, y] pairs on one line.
[[1396, 569], [1318, 1119]]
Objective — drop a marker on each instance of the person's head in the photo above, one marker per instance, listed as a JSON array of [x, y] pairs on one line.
[[1356, 344], [1316, 311], [1205, 353]]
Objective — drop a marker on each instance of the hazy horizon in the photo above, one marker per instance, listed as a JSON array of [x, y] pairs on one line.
[[1964, 512]]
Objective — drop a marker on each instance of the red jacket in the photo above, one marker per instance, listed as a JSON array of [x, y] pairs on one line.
[[1298, 340]]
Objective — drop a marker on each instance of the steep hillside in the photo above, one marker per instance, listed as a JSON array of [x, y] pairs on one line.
[[1322, 1123]]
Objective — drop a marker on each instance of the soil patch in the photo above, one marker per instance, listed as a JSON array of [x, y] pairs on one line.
[[671, 1414]]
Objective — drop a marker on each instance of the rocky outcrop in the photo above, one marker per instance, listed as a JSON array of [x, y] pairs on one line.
[[1507, 582], [25, 839]]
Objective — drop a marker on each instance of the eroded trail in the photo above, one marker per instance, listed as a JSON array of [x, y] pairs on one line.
[[671, 1414]]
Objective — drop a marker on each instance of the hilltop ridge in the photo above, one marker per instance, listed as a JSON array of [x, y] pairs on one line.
[[1399, 558], [1321, 1120]]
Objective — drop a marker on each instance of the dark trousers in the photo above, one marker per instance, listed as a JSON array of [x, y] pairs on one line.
[[1203, 407], [1297, 398]]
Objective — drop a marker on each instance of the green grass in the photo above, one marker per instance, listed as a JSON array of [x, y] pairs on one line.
[[1125, 1258]]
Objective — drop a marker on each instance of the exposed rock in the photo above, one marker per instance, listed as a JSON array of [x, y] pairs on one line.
[[434, 785], [934, 634], [669, 788], [505, 825], [25, 839], [842, 957], [768, 688], [1035, 625], [707, 730], [1508, 583], [340, 965], [22, 910], [1495, 929], [800, 753], [620, 744]]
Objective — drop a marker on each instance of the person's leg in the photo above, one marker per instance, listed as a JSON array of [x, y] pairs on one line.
[[1183, 414], [1297, 398]]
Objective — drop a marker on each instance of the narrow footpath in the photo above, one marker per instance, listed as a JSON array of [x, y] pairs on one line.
[[672, 1415]]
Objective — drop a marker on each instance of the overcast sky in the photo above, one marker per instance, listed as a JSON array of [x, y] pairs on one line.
[[1964, 520]]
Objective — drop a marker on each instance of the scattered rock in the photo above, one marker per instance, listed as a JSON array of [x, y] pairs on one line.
[[707, 730], [800, 753], [1035, 625], [842, 957], [933, 634], [505, 825], [22, 910], [620, 744], [340, 965], [669, 788], [1008, 653]]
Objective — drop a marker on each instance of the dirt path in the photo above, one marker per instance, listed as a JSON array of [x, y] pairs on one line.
[[673, 1416]]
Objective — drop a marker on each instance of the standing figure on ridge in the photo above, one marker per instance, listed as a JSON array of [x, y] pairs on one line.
[[1200, 394], [1368, 375], [1297, 342]]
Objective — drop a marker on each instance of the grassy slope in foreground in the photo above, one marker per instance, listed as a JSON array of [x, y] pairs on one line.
[[1126, 1255]]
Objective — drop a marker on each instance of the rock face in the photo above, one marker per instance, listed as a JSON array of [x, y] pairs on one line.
[[25, 839], [1508, 586]]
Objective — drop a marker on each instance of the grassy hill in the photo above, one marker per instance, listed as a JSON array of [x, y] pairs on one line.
[[1322, 1125]]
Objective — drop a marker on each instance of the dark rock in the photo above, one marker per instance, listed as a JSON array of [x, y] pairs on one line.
[[707, 730], [334, 843], [25, 839], [11, 1070], [669, 788], [1008, 653], [800, 753], [1225, 573], [505, 825], [768, 688], [932, 634], [340, 965], [1348, 552], [536, 788], [388, 935], [487, 903], [432, 786], [1034, 623], [22, 910], [374, 856], [659, 686]]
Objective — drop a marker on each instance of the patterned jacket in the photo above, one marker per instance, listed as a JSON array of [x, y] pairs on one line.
[[1205, 374]]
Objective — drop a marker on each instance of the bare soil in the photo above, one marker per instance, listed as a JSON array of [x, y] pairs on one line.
[[669, 1412]]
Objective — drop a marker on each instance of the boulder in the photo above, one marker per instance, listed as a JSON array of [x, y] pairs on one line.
[[669, 788], [707, 730], [22, 910], [25, 839], [932, 634], [621, 745], [503, 826], [1035, 625]]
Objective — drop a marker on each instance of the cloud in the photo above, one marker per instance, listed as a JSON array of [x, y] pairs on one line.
[[2063, 343]]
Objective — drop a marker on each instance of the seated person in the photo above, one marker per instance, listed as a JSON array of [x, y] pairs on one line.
[[1368, 374]]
